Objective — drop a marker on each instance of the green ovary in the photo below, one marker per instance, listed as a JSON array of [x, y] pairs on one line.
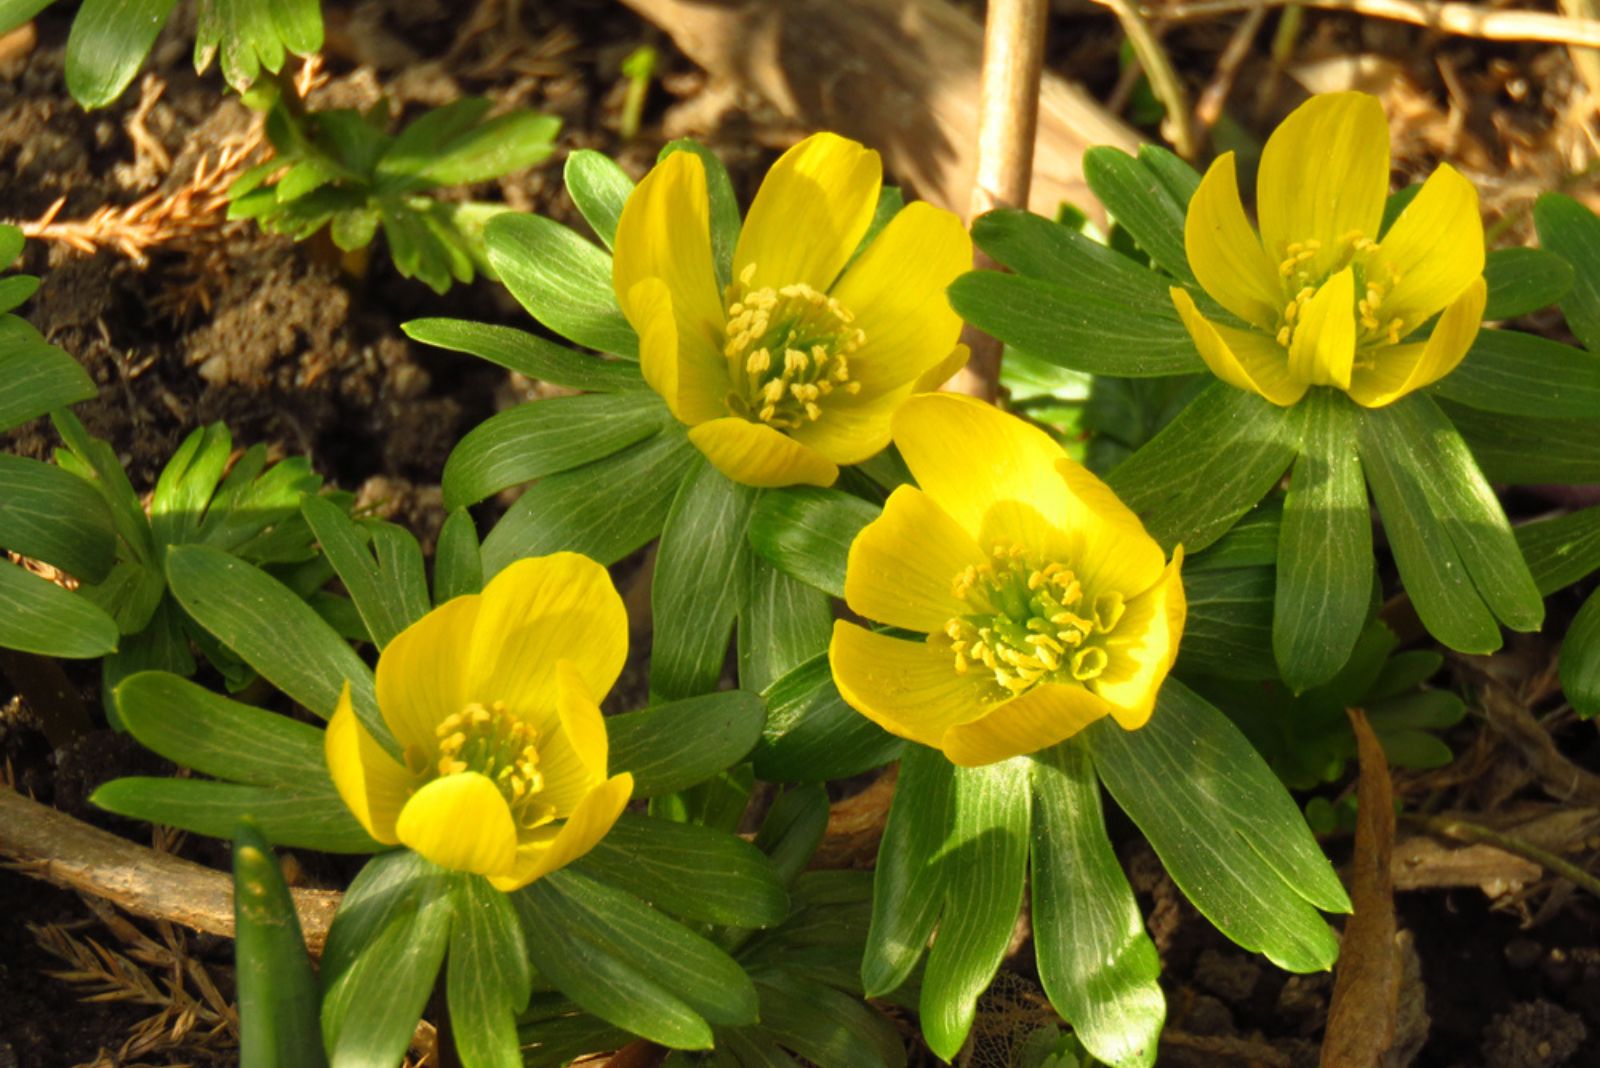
[[495, 743], [1031, 621], [788, 350]]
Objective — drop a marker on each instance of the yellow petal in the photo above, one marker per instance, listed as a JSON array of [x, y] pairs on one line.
[[1324, 176], [573, 756], [902, 565], [665, 232], [691, 377], [852, 429], [909, 688], [812, 210], [969, 456], [1225, 253], [422, 673], [896, 292], [550, 848], [537, 613], [1047, 714], [462, 823], [1436, 246], [372, 785], [1243, 359], [943, 371], [757, 455], [1323, 346], [1117, 554], [1393, 371], [1142, 648]]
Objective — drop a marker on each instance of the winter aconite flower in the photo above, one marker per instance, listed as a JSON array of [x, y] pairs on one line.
[[1329, 302], [795, 367], [1044, 603], [492, 700]]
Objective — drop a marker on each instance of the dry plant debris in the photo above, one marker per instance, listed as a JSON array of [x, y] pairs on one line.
[[192, 1018], [1366, 988]]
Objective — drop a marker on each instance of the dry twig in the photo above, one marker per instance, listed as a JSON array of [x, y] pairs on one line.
[[1461, 19], [1008, 124]]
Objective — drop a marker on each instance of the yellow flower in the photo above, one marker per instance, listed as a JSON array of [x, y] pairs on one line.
[[1044, 603], [796, 368], [491, 697], [1328, 304]]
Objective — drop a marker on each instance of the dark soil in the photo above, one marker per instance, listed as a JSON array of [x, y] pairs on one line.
[[288, 346]]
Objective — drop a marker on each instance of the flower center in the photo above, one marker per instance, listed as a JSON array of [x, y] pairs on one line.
[[1029, 622], [787, 349], [1304, 270], [496, 744]]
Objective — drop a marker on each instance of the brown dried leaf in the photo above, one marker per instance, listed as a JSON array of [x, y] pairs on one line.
[[1366, 985]]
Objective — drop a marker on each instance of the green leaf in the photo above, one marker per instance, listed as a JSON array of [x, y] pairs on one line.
[[674, 746], [562, 1037], [821, 1024], [547, 436], [1210, 466], [1080, 328], [1529, 451], [1520, 374], [604, 510], [1176, 176], [274, 632], [527, 354], [187, 482], [276, 988], [806, 532], [1562, 550], [14, 13], [388, 583], [488, 980], [811, 735], [890, 203], [986, 857], [55, 516], [629, 965], [206, 732], [1523, 280], [1420, 440], [455, 145], [1572, 232], [382, 957], [107, 45], [1227, 831], [457, 563], [699, 583], [1143, 203], [310, 816], [783, 624], [1436, 578], [724, 206], [1324, 574], [1098, 966], [16, 289], [599, 188], [693, 872], [793, 829], [255, 35], [1228, 630], [562, 280], [908, 888], [37, 616], [35, 378], [1580, 659]]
